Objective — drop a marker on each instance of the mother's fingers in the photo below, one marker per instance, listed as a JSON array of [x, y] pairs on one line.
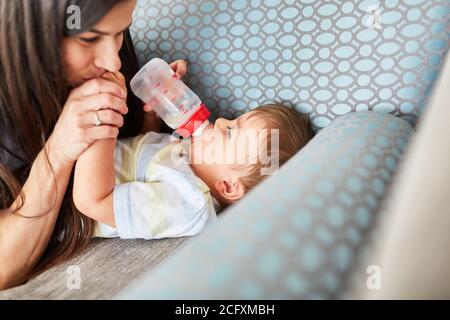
[[96, 86], [103, 101], [105, 117]]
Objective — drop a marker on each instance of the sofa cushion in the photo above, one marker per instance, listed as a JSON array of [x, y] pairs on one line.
[[298, 233], [105, 269], [325, 58]]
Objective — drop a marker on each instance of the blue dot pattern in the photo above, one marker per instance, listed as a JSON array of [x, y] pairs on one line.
[[323, 58], [297, 236]]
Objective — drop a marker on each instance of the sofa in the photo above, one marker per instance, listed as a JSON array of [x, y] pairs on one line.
[[364, 71]]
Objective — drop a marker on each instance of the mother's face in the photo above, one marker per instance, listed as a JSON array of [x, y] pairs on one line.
[[90, 54]]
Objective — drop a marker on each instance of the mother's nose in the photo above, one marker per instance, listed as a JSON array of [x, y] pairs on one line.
[[108, 58]]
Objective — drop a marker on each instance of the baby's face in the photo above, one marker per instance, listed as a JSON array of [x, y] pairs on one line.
[[228, 143], [224, 151]]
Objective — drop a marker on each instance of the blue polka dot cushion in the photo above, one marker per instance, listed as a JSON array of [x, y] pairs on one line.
[[325, 58], [297, 235]]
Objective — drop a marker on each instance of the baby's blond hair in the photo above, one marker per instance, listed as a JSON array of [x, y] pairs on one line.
[[294, 132]]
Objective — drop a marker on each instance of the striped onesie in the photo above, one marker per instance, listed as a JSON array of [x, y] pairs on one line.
[[156, 197]]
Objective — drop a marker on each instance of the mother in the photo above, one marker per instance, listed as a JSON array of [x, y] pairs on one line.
[[51, 86]]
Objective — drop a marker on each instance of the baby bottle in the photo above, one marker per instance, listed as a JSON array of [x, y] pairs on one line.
[[181, 109]]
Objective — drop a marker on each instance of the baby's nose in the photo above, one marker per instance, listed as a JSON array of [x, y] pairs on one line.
[[220, 124]]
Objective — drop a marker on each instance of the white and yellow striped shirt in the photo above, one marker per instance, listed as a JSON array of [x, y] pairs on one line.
[[156, 197]]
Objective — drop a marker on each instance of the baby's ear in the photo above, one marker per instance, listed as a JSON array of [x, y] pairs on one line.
[[230, 191]]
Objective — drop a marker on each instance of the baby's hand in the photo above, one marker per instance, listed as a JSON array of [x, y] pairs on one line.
[[117, 77], [179, 67], [148, 108]]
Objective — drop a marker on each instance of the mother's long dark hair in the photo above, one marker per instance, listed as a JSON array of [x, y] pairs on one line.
[[32, 95]]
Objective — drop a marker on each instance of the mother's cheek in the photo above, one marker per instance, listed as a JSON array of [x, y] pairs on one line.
[[74, 60]]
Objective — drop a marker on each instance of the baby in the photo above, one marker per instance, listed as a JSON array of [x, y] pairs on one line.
[[157, 186]]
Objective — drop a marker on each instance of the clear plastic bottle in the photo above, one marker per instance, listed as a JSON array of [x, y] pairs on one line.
[[181, 109]]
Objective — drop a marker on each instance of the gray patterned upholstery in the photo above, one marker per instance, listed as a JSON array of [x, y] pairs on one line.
[[297, 235], [326, 58], [105, 268]]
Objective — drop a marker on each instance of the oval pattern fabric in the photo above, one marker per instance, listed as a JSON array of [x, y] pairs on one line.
[[396, 45]]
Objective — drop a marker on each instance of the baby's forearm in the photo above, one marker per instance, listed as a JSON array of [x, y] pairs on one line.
[[94, 182]]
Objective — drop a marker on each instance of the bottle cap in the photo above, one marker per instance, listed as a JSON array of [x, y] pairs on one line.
[[196, 121], [199, 130]]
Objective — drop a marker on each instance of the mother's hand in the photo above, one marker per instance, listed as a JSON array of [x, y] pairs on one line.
[[76, 127]]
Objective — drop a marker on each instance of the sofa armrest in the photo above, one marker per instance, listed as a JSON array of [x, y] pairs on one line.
[[297, 234]]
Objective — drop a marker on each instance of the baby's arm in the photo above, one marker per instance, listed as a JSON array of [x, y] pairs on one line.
[[94, 182], [94, 179]]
